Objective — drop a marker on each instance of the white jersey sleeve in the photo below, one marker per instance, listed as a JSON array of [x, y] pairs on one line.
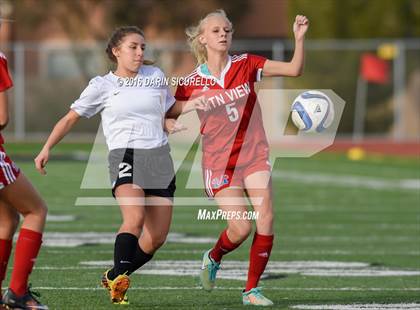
[[170, 99], [91, 100]]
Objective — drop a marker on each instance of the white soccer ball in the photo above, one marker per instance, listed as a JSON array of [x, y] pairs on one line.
[[312, 111]]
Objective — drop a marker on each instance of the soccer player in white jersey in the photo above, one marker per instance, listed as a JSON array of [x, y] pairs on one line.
[[235, 149], [17, 196], [141, 169]]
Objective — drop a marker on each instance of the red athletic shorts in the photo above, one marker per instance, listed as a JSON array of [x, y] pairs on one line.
[[8, 169], [216, 179]]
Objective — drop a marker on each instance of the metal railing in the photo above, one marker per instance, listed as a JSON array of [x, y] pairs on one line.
[[35, 63]]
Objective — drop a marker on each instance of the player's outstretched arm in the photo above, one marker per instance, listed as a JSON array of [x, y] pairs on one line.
[[62, 127], [4, 110], [295, 66], [182, 107]]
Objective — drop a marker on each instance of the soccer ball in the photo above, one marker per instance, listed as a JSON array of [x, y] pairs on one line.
[[312, 111]]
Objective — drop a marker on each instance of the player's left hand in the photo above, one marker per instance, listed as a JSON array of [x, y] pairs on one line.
[[300, 26]]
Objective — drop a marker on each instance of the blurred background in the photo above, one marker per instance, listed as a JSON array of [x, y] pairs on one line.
[[368, 52]]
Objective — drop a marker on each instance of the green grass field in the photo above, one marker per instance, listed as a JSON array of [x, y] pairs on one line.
[[347, 232]]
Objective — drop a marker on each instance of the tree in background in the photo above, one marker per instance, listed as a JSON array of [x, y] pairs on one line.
[[42, 21], [78, 20], [350, 19]]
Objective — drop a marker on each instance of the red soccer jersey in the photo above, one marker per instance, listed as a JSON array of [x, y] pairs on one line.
[[232, 129], [5, 80]]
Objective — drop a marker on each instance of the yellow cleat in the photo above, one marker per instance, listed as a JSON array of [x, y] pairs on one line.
[[105, 281], [117, 288]]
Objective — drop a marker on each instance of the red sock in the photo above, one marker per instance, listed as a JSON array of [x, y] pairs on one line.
[[258, 259], [5, 250], [27, 248], [222, 247]]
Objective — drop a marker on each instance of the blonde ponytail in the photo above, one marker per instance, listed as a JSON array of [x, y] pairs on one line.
[[193, 32]]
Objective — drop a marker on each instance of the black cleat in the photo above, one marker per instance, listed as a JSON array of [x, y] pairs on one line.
[[25, 302]]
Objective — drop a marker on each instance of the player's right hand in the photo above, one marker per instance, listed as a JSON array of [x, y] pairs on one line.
[[300, 26], [41, 161], [172, 126]]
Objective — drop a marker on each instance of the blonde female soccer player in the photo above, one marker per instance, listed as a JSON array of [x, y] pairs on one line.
[[235, 149], [133, 103], [17, 196]]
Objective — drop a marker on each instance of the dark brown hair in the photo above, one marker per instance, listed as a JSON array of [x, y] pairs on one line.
[[116, 38]]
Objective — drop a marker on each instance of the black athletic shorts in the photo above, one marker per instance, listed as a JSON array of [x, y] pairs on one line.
[[150, 169]]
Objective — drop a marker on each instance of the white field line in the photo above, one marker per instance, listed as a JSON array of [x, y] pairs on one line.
[[236, 270], [285, 252], [301, 177], [360, 273], [348, 180], [240, 275], [360, 306], [60, 218], [350, 226], [57, 239], [353, 238], [340, 180], [341, 226], [195, 264], [178, 201], [374, 289]]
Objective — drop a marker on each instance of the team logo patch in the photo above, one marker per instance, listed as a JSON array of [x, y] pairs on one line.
[[219, 182]]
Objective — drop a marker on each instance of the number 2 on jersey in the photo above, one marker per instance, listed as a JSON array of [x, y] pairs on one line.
[[232, 112], [125, 170]]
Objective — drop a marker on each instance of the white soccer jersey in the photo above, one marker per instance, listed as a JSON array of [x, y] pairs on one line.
[[132, 114]]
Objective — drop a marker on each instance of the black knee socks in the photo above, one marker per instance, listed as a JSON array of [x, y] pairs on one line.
[[140, 259], [128, 256], [124, 251]]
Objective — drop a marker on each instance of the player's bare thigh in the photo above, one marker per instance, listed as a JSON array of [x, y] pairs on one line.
[[232, 199], [157, 223], [25, 199], [9, 219], [259, 188], [131, 200]]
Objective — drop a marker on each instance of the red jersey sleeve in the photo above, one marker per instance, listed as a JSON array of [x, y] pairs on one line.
[[182, 93], [256, 65], [5, 80], [188, 89]]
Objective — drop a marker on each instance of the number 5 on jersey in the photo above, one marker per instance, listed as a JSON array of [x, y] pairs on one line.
[[232, 112]]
